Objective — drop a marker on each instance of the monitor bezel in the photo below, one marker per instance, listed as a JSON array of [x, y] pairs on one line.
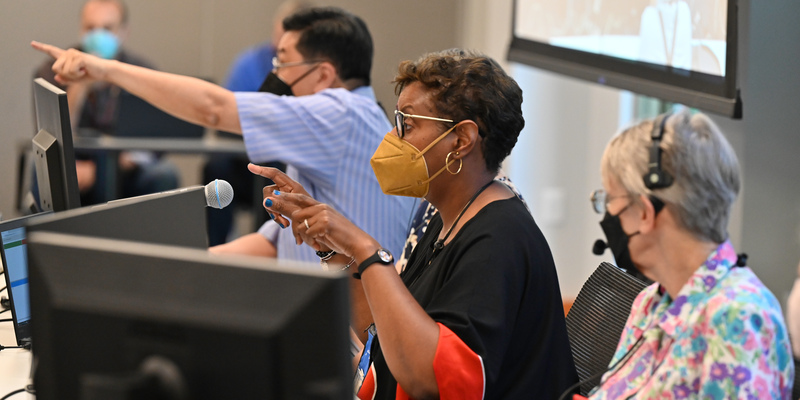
[[708, 92]]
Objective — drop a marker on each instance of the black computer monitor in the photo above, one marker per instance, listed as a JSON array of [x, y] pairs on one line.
[[113, 317], [175, 217], [54, 156], [14, 255]]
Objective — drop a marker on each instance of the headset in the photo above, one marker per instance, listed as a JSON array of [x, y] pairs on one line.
[[657, 178]]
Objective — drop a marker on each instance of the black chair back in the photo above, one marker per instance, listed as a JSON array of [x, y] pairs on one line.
[[596, 320]]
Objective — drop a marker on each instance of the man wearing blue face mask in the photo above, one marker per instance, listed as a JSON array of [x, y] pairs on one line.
[[93, 104]]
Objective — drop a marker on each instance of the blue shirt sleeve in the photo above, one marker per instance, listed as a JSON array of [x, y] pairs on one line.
[[307, 132]]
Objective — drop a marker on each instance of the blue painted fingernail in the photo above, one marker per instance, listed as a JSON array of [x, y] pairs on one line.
[[277, 193], [268, 203], [271, 216], [280, 224]]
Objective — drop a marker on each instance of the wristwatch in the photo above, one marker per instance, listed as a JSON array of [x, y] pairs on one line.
[[382, 256]]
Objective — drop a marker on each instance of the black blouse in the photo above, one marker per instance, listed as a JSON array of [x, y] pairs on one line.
[[495, 286]]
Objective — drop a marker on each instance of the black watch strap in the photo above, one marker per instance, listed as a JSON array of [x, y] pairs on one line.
[[382, 256]]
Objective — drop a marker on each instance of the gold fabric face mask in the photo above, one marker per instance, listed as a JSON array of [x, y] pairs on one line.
[[400, 167]]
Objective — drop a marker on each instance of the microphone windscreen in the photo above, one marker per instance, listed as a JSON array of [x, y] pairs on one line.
[[219, 194], [599, 247]]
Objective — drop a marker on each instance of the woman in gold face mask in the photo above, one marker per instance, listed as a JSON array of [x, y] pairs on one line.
[[477, 311]]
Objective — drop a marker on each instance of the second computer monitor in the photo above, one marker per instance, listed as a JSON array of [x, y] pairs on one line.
[[54, 155], [176, 217]]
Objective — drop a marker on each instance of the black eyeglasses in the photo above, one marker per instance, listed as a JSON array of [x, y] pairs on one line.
[[276, 65], [400, 121]]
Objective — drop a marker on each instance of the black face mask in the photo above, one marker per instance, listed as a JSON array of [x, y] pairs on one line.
[[275, 85], [618, 243]]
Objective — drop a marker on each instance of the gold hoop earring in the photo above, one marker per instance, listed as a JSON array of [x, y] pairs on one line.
[[447, 163]]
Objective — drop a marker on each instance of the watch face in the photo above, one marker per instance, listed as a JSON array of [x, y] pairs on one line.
[[385, 256]]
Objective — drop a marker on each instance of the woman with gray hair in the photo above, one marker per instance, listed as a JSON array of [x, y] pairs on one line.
[[707, 327]]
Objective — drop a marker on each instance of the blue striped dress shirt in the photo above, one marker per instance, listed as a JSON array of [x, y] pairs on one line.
[[326, 139]]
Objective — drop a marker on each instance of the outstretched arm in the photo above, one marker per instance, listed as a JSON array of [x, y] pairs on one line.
[[191, 99]]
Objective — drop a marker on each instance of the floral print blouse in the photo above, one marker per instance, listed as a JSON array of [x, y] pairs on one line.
[[723, 337]]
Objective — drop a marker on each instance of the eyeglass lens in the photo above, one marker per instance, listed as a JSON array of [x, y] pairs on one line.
[[599, 201], [399, 123]]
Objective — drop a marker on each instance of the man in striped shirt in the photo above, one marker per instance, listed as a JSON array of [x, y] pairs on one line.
[[321, 119]]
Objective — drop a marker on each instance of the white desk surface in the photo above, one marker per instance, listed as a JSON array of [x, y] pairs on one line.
[[15, 364]]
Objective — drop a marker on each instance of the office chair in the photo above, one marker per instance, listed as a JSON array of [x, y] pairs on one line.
[[596, 320]]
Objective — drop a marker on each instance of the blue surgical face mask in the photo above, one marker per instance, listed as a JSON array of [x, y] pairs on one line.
[[101, 43]]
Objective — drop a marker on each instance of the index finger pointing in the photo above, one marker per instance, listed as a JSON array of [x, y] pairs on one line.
[[281, 180], [266, 172], [50, 50]]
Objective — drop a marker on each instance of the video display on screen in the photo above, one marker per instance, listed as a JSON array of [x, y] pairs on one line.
[[685, 34]]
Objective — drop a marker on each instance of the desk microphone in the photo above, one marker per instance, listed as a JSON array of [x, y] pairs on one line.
[[599, 247], [219, 194]]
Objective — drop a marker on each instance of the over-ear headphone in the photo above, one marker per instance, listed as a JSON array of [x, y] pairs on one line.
[[657, 178]]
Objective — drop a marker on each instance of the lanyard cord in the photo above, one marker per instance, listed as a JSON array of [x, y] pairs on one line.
[[415, 273], [439, 244]]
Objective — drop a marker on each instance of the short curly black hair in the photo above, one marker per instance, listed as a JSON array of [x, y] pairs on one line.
[[467, 85]]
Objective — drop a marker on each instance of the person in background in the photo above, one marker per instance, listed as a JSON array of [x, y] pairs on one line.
[[707, 328], [103, 30], [247, 74], [252, 65], [477, 312], [793, 315], [319, 116]]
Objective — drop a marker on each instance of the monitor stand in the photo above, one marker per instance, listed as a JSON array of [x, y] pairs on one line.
[[29, 388], [158, 378]]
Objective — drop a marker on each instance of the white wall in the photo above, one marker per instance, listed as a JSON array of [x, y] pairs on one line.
[[555, 162]]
